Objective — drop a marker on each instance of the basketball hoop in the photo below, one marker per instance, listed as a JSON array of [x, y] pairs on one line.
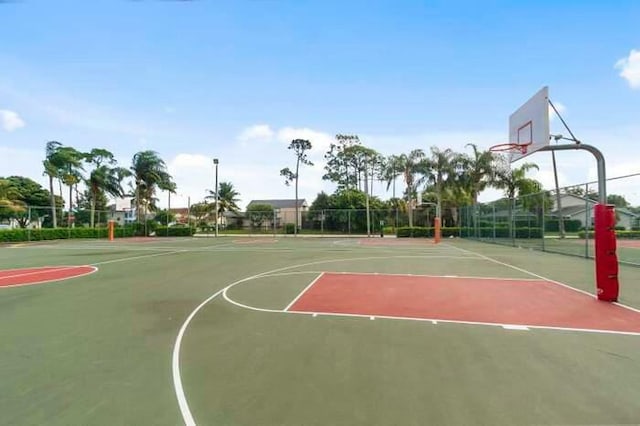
[[520, 148]]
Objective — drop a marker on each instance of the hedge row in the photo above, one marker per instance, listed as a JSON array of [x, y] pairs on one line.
[[623, 235], [174, 231], [485, 232], [18, 235]]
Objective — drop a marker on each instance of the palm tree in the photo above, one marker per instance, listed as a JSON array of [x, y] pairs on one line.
[[478, 171], [514, 181], [70, 171], [441, 170], [105, 178], [149, 171], [409, 166], [52, 166], [227, 200]]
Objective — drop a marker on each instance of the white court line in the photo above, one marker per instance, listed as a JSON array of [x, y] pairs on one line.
[[304, 291], [533, 274], [435, 321], [125, 259], [93, 270], [42, 270], [463, 277], [187, 416]]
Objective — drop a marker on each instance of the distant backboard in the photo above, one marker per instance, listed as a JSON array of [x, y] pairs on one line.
[[529, 126]]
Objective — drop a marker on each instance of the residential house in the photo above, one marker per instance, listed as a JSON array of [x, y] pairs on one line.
[[285, 210], [579, 208], [123, 211]]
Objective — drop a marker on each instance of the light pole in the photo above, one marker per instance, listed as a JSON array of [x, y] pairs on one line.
[[215, 162]]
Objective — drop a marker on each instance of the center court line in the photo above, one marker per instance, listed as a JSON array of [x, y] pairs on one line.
[[533, 274]]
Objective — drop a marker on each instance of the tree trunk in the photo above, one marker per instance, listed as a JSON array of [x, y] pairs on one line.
[[137, 202], [93, 207], [54, 217], [70, 205]]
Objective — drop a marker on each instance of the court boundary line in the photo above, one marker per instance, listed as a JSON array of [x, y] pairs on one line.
[[178, 387], [434, 321], [533, 274], [315, 280], [93, 271]]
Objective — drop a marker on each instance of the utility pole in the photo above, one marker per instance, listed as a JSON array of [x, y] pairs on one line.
[[215, 162]]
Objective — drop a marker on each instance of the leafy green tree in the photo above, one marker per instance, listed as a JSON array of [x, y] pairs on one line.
[[259, 213], [164, 217], [200, 212], [617, 200], [300, 148], [339, 166], [28, 193], [10, 204]]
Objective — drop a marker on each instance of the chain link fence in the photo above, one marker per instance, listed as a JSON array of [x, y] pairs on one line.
[[559, 221]]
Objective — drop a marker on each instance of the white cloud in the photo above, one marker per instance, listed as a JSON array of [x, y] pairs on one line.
[[630, 68], [257, 133], [320, 141], [10, 120]]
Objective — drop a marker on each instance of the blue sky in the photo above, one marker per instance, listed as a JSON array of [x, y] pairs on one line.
[[238, 80]]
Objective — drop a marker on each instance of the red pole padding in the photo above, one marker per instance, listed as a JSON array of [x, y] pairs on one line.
[[606, 257]]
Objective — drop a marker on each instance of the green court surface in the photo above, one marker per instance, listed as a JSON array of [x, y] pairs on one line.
[[171, 331]]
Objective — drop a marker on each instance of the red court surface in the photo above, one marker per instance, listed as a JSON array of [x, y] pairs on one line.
[[27, 276], [483, 300], [628, 243]]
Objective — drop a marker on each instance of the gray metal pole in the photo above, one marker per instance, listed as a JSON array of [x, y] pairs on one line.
[[215, 161], [602, 173], [366, 190], [558, 198]]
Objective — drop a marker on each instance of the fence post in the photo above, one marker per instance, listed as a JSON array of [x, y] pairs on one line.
[[349, 222], [493, 222], [273, 223], [29, 223], [322, 222], [587, 221]]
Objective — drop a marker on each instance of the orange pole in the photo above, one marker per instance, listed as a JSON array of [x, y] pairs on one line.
[[111, 228], [436, 230]]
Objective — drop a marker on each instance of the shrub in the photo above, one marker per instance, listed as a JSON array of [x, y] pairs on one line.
[[44, 234], [174, 231], [289, 228]]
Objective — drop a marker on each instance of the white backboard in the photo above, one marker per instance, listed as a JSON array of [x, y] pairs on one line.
[[529, 125]]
